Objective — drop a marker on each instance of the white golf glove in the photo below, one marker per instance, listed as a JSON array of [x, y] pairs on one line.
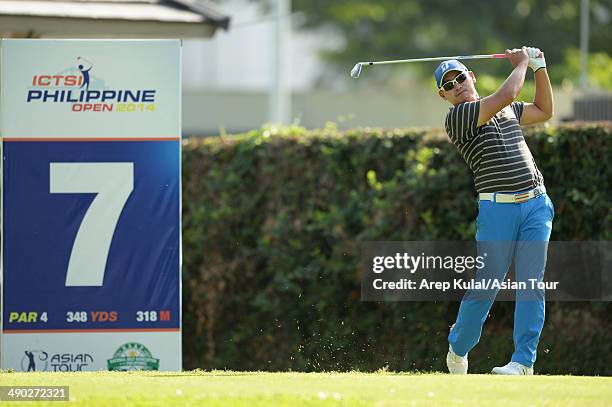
[[536, 58]]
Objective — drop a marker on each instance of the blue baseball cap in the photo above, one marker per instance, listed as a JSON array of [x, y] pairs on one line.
[[445, 67]]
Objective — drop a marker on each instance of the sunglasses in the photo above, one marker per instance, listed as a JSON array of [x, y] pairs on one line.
[[451, 84]]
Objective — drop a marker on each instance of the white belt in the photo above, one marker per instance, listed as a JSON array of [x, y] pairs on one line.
[[511, 198]]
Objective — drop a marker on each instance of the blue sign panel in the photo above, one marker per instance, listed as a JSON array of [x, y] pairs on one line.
[[91, 235]]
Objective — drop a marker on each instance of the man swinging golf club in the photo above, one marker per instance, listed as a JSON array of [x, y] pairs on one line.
[[514, 209]]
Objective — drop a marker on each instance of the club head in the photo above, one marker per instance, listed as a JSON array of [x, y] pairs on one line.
[[356, 70]]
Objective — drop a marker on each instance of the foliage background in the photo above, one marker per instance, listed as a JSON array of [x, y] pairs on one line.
[[398, 29], [270, 224]]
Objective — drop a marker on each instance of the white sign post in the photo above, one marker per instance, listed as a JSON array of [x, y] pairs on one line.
[[91, 247]]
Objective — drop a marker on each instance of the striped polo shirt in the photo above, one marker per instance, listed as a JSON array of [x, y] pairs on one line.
[[496, 152]]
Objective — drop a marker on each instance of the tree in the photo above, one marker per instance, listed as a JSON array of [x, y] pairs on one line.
[[396, 29]]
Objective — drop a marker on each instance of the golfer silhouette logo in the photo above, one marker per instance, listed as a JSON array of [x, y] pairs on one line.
[[84, 66], [31, 357], [31, 365]]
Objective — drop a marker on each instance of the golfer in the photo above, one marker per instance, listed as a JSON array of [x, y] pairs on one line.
[[514, 210]]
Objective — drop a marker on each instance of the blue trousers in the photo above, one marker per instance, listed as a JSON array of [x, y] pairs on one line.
[[506, 231]]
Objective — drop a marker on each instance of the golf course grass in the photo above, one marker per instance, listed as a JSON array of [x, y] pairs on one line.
[[226, 388]]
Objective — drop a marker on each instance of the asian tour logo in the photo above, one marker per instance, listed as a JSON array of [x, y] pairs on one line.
[[133, 356], [33, 359], [38, 360], [73, 86]]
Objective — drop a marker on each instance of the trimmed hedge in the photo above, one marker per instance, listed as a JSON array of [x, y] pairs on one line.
[[270, 221]]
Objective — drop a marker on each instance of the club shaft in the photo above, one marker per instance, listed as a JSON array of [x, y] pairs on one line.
[[401, 61]]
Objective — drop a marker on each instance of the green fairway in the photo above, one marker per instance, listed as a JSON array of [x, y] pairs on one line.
[[224, 388]]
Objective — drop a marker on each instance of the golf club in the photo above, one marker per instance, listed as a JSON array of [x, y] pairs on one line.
[[356, 71]]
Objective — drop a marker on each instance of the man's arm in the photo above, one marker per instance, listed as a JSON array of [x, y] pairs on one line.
[[509, 90], [542, 107]]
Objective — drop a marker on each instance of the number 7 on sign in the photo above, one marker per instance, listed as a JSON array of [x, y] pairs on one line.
[[113, 183]]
